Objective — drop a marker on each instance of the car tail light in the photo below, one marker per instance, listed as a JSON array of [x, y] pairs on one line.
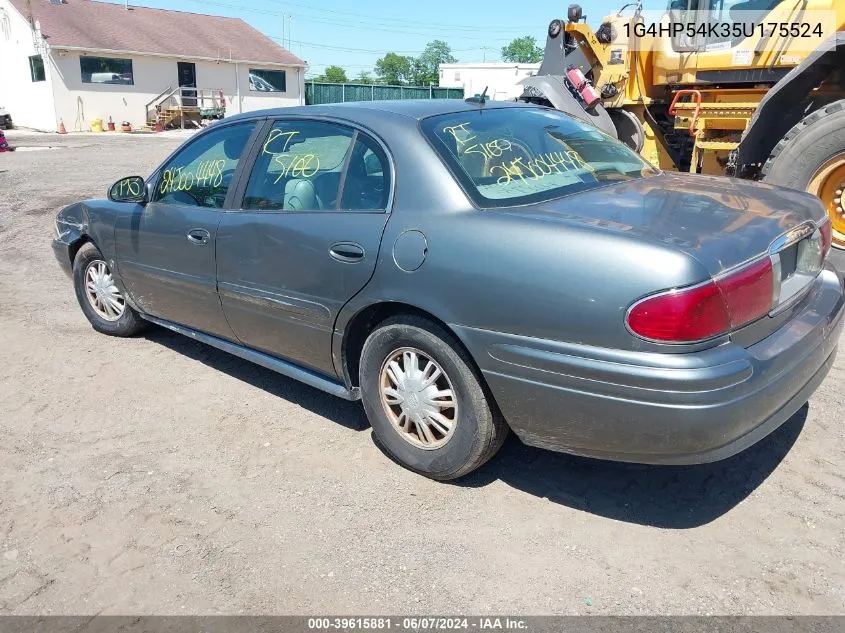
[[749, 292], [709, 309], [826, 231], [681, 315]]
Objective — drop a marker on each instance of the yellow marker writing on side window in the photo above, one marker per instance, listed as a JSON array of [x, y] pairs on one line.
[[297, 166], [286, 137]]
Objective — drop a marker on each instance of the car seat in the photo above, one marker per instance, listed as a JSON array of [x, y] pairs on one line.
[[300, 196]]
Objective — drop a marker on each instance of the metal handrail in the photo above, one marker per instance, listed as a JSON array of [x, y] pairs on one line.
[[163, 92], [197, 99]]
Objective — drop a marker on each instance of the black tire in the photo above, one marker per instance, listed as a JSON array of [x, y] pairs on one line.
[[129, 322], [629, 130], [479, 430], [812, 142]]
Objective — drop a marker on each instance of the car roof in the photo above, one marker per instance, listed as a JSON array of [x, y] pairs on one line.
[[410, 108]]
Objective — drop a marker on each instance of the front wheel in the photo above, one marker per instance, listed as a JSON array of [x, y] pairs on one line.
[[99, 297], [427, 405]]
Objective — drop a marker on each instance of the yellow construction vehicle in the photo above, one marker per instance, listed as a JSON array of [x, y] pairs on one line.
[[758, 104]]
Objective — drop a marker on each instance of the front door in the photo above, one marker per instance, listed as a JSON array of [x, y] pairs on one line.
[[188, 79], [166, 248], [305, 240]]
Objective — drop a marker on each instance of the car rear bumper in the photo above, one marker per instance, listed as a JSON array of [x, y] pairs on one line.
[[661, 408]]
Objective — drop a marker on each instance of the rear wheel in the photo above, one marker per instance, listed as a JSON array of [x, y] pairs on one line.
[[425, 401], [812, 157], [99, 297]]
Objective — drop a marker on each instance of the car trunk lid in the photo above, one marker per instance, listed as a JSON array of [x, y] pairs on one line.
[[724, 224], [721, 222]]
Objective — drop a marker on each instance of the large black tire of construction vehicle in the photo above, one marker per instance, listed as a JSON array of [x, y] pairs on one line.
[[812, 142]]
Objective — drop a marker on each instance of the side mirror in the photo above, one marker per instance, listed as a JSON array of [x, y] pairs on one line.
[[129, 189]]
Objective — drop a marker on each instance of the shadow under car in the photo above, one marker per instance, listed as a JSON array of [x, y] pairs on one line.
[[676, 497]]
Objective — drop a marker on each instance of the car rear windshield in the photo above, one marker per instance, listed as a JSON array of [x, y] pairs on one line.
[[514, 156]]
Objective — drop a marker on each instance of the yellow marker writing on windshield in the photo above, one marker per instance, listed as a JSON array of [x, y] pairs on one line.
[[462, 128]]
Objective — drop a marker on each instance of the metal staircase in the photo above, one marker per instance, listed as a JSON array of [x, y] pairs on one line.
[[716, 127], [184, 107]]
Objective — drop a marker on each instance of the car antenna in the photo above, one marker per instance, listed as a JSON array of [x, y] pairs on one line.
[[482, 98]]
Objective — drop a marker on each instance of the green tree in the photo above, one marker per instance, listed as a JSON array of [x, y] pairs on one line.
[[394, 69], [335, 74], [364, 78], [332, 75], [425, 69], [522, 50]]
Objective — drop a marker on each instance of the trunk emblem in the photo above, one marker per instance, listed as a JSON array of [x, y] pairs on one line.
[[791, 236]]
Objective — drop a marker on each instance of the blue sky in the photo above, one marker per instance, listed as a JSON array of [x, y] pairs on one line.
[[355, 34]]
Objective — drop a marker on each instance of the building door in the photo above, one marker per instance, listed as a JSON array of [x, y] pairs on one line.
[[187, 72]]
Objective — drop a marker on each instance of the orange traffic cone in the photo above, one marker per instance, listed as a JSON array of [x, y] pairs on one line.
[[62, 129]]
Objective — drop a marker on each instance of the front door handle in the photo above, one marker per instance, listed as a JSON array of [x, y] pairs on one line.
[[347, 252], [200, 237]]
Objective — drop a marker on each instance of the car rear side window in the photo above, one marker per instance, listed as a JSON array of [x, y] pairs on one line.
[[514, 156], [299, 167], [199, 175], [367, 181]]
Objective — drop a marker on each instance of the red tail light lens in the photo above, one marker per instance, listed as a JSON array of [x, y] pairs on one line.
[[749, 292], [826, 230], [707, 310], [681, 315]]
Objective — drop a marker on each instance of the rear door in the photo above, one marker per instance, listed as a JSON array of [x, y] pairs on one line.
[[305, 239], [166, 249]]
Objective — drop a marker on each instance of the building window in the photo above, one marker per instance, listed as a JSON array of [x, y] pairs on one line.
[[36, 68], [106, 70], [457, 76], [267, 80]]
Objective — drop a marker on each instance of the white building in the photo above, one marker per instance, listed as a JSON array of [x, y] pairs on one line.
[[79, 60], [500, 78]]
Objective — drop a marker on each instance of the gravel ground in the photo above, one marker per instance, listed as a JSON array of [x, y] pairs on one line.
[[156, 475]]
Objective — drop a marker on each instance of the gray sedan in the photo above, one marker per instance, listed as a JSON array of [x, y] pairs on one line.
[[466, 268]]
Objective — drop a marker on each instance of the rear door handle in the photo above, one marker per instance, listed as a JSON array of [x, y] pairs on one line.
[[347, 252], [199, 237]]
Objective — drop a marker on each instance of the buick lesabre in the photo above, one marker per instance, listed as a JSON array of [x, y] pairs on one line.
[[466, 268]]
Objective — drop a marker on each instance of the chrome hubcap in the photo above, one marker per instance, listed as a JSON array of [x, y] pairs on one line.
[[102, 293], [418, 398]]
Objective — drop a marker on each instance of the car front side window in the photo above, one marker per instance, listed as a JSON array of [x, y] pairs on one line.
[[299, 167], [200, 174]]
